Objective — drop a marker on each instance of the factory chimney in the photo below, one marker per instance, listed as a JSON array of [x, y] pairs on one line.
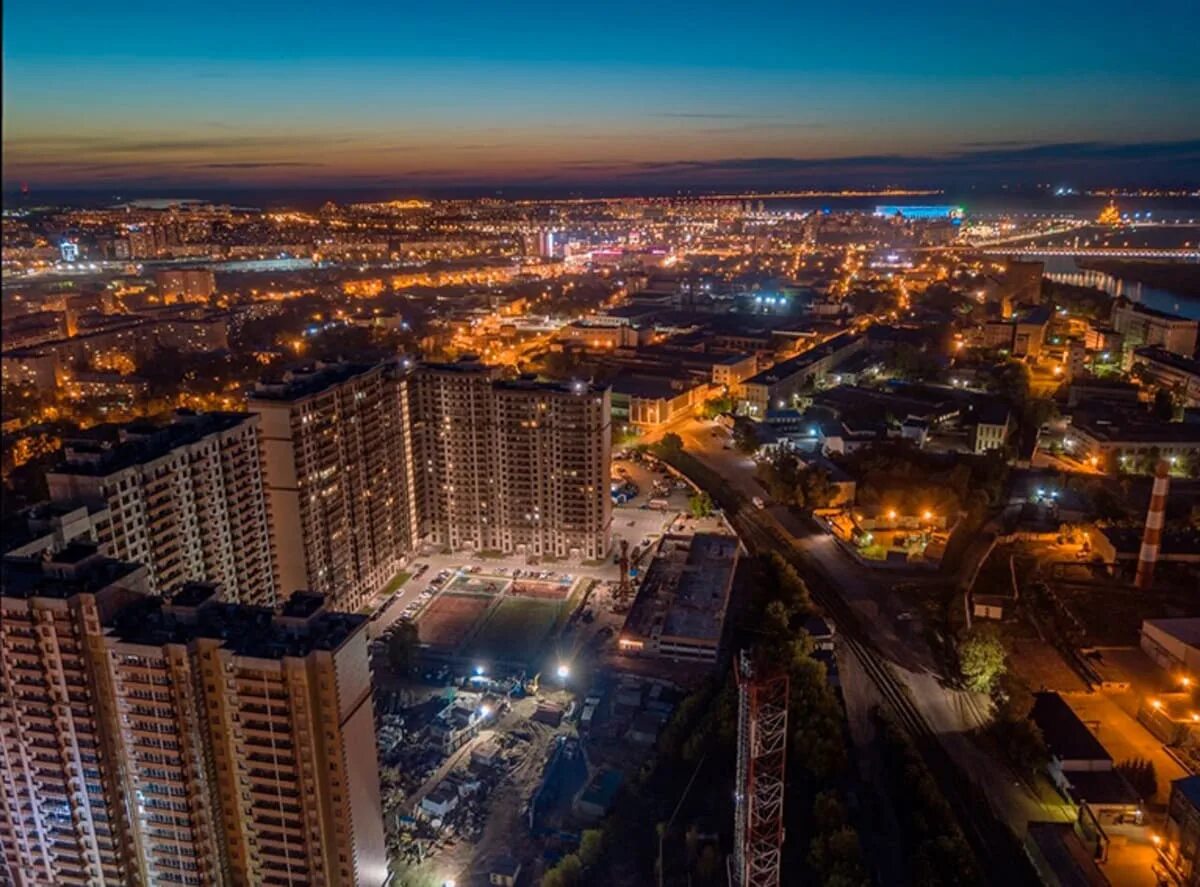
[[1152, 538]]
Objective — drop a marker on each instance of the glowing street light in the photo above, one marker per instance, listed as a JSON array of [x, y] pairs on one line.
[[563, 672], [485, 711]]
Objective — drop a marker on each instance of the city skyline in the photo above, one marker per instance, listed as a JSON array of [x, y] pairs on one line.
[[627, 100]]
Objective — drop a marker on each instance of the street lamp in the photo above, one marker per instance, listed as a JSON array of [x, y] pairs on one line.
[[563, 672]]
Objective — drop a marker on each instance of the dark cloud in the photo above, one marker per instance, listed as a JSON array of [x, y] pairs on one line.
[[124, 145], [257, 164], [1103, 158]]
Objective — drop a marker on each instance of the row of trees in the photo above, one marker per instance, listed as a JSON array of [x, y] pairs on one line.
[[790, 482], [937, 850]]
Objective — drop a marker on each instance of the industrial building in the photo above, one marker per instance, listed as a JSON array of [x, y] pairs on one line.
[[679, 611]]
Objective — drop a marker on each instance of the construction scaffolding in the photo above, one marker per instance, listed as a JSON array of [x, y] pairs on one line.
[[762, 754]]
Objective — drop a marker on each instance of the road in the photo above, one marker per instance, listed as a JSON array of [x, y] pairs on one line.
[[936, 716]]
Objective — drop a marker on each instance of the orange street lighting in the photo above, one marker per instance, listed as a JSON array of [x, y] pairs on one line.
[[891, 515], [1185, 681], [1155, 704], [928, 515]]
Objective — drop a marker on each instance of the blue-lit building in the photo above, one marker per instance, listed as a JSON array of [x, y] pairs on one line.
[[921, 213]]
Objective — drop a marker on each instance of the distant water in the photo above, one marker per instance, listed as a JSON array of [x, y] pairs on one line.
[[1064, 270]]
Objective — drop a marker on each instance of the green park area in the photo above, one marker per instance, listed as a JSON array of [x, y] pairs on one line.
[[516, 630]]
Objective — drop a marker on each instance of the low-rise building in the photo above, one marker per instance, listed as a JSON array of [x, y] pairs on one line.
[[1179, 374], [648, 402], [679, 612], [1178, 855], [778, 386], [1132, 441], [990, 427], [1079, 763], [1142, 325], [1173, 644]]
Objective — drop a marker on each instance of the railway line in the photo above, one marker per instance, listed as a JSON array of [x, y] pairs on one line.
[[997, 850]]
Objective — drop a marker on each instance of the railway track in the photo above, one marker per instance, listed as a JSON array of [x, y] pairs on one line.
[[997, 850]]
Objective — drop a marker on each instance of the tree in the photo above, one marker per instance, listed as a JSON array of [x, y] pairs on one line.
[[700, 504], [715, 406], [1011, 380], [1140, 775], [816, 490], [591, 843], [981, 659], [1164, 405], [744, 437], [402, 646], [568, 873], [671, 444]]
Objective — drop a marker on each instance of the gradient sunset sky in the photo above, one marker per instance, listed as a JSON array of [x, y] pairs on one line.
[[699, 94]]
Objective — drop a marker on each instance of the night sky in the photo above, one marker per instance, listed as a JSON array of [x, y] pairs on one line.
[[704, 94]]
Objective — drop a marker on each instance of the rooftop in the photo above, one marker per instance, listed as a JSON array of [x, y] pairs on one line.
[[78, 568], [1189, 787], [1133, 426], [686, 589], [1176, 361], [195, 612], [1138, 308], [801, 362], [1185, 629], [305, 381], [109, 448], [1067, 737]]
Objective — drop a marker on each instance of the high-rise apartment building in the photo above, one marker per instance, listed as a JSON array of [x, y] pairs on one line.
[[186, 499], [517, 466], [61, 797], [189, 742], [336, 459]]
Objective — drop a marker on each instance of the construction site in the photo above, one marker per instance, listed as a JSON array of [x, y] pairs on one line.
[[522, 718]]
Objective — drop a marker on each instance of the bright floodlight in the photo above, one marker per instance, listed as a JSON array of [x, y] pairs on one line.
[[563, 672], [485, 711], [479, 669]]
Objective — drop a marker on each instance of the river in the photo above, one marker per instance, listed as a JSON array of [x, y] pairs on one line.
[[1064, 270]]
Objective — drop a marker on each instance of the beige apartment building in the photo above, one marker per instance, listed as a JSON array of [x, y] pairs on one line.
[[61, 795], [186, 499], [517, 466], [336, 458], [201, 742]]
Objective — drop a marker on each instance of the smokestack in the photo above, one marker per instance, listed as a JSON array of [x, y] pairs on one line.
[[1152, 539]]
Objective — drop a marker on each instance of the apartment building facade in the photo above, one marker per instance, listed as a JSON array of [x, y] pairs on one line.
[[61, 803], [336, 456], [216, 743], [516, 466], [186, 499]]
